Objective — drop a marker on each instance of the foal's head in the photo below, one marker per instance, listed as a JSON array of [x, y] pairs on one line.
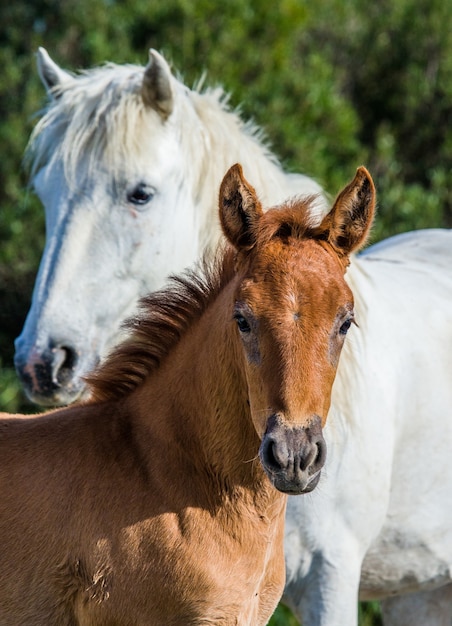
[[293, 309]]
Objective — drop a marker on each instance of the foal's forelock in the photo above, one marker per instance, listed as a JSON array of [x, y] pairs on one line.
[[296, 219], [99, 117]]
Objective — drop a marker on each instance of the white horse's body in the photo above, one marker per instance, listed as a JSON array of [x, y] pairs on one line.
[[381, 516], [381, 519]]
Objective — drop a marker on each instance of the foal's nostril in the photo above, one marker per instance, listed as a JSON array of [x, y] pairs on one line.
[[274, 455], [268, 453], [271, 457], [312, 456], [321, 453]]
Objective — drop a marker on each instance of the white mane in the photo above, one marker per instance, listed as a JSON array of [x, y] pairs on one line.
[[101, 116], [82, 114]]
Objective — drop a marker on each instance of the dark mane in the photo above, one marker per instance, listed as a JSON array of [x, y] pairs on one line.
[[164, 317]]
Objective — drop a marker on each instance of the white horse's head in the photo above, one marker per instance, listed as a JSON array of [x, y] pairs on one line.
[[127, 162]]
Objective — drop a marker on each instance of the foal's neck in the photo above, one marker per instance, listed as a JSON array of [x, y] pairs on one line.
[[202, 398]]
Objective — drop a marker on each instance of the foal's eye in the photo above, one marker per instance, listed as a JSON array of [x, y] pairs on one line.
[[242, 323], [141, 194], [345, 326]]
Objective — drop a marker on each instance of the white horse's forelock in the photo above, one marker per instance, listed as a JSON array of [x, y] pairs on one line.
[[92, 115]]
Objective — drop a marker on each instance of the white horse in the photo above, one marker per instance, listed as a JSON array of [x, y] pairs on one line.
[[118, 153]]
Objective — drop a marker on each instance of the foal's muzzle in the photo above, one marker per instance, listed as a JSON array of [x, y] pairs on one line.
[[293, 456]]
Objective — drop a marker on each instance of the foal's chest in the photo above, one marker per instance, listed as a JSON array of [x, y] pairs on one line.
[[199, 574]]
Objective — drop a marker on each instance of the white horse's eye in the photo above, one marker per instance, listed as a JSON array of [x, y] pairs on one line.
[[141, 194]]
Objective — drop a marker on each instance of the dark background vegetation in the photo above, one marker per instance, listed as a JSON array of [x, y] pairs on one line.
[[335, 84]]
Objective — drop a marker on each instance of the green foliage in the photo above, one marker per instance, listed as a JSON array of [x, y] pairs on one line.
[[335, 84], [369, 615], [283, 617]]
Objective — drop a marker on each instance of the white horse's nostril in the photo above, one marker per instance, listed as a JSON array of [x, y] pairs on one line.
[[63, 362]]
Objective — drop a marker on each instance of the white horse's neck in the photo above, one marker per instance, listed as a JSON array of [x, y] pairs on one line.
[[350, 387]]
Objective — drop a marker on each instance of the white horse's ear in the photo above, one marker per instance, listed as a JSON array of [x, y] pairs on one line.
[[347, 226], [51, 74], [156, 89], [240, 209]]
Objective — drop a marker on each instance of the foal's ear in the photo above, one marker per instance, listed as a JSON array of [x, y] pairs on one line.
[[156, 88], [346, 227], [240, 209], [51, 74]]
